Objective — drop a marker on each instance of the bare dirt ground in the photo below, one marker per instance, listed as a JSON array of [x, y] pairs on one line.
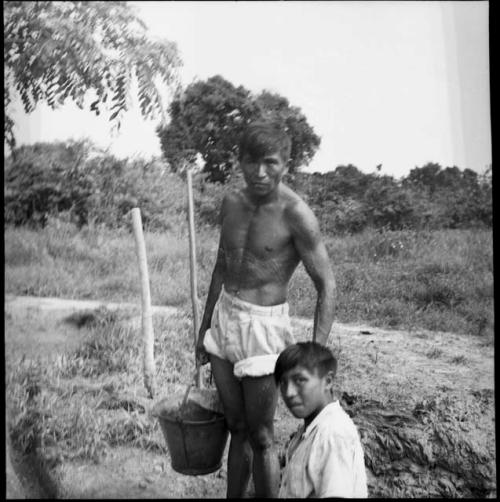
[[417, 362]]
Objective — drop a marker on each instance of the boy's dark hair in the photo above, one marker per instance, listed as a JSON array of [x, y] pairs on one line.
[[311, 355], [263, 137]]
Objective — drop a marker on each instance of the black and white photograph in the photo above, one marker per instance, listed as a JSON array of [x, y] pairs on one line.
[[248, 249]]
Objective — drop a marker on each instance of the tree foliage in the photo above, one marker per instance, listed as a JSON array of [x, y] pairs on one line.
[[304, 141], [348, 200], [458, 195], [44, 179], [209, 116], [77, 182], [59, 51], [387, 204]]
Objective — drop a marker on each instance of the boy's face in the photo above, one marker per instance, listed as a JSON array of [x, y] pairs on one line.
[[264, 173], [305, 393]]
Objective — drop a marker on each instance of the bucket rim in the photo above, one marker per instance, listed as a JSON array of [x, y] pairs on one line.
[[190, 422]]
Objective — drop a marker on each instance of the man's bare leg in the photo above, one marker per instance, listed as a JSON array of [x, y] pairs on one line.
[[260, 397], [239, 462]]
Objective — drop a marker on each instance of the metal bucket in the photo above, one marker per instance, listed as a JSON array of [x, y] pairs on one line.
[[196, 446]]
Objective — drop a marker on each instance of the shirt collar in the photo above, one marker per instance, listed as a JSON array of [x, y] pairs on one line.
[[327, 410]]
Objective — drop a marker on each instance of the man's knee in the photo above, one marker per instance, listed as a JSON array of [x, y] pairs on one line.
[[261, 437], [236, 425]]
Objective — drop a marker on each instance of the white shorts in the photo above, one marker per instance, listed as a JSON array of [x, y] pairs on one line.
[[249, 336]]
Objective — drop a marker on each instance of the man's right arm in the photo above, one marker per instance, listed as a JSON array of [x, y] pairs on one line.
[[213, 291]]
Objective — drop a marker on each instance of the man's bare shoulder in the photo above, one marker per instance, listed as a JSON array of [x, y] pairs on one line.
[[232, 199], [235, 196], [295, 207], [301, 219]]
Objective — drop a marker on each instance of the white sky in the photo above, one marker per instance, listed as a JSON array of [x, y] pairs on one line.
[[391, 83]]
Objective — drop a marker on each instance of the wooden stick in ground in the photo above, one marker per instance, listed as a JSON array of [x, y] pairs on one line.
[[147, 317], [192, 267]]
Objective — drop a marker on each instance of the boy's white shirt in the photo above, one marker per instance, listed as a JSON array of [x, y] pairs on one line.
[[326, 459]]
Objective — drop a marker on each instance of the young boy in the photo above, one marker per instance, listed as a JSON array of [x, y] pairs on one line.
[[324, 457]]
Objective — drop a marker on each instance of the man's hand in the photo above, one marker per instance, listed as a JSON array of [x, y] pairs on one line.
[[201, 354]]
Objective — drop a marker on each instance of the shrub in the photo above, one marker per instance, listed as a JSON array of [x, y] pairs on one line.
[[47, 179], [92, 187], [347, 215], [121, 185]]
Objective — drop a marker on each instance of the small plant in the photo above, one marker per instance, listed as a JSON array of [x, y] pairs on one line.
[[435, 353], [458, 360]]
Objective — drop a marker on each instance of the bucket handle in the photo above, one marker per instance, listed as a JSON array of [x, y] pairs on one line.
[[184, 399], [186, 394]]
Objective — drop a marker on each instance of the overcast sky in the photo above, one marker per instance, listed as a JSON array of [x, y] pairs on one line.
[[391, 83]]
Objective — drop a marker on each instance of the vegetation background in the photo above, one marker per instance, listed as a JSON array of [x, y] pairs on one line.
[[404, 256], [408, 253], [414, 251]]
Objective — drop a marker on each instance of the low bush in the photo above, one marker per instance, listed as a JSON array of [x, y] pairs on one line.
[[47, 179], [90, 186], [76, 185]]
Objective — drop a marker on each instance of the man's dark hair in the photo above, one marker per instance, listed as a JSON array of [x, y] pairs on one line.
[[263, 137], [311, 355]]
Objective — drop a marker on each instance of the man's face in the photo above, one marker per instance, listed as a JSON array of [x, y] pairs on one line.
[[305, 393], [263, 174]]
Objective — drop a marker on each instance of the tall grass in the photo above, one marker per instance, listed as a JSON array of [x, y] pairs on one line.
[[71, 406], [439, 280], [99, 263]]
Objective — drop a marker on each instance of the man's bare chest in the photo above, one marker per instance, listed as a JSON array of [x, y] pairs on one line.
[[264, 233]]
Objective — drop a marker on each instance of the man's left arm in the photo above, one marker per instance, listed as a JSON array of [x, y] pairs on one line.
[[312, 251]]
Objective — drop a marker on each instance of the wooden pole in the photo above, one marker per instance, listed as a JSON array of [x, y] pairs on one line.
[[192, 267], [147, 317]]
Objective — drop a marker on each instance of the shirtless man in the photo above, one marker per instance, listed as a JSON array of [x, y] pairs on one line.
[[266, 231]]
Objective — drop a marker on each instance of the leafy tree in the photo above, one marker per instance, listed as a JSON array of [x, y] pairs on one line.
[[209, 116], [82, 184], [349, 181], [304, 141], [425, 177], [59, 51], [346, 215], [45, 179], [387, 204], [451, 178]]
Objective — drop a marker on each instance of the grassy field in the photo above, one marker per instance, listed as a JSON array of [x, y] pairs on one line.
[[427, 428], [441, 280]]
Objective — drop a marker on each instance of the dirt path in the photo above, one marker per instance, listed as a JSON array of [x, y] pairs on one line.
[[420, 362], [36, 327]]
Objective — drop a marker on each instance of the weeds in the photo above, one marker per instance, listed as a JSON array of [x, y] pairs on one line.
[[64, 420], [434, 353], [458, 360], [439, 280]]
